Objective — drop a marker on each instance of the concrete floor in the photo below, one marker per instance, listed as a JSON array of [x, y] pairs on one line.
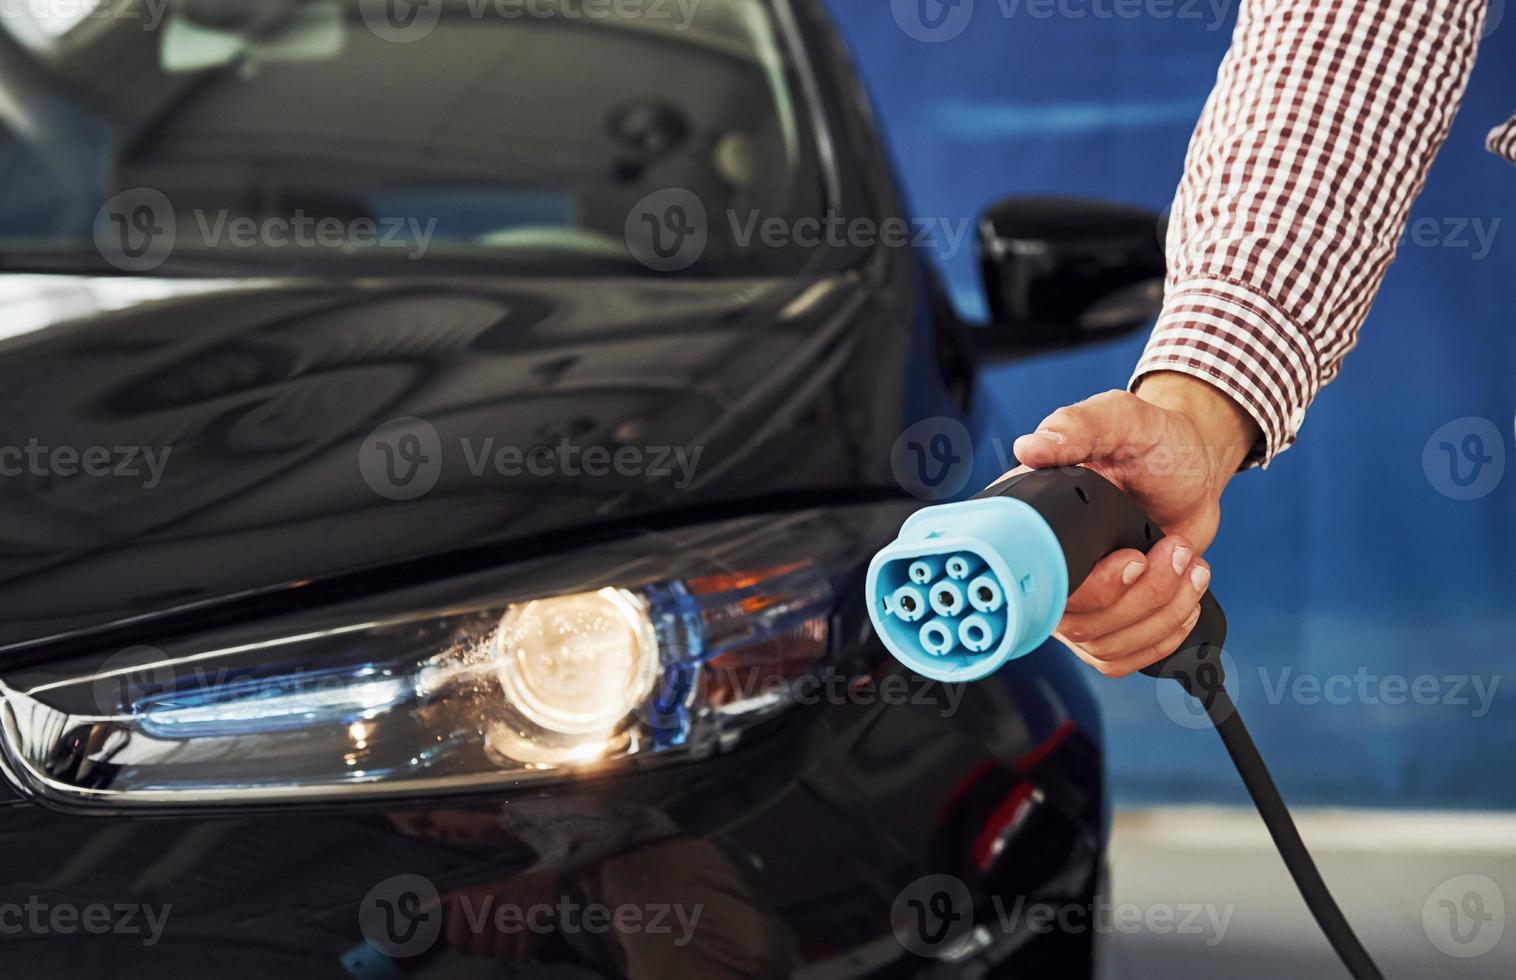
[[1202, 893]]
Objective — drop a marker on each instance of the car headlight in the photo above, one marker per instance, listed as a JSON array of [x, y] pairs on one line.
[[575, 665], [653, 649]]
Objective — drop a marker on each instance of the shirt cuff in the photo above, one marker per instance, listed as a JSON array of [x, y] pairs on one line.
[[1231, 336], [1502, 140]]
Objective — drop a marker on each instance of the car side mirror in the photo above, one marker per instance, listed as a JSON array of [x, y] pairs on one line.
[[1062, 271]]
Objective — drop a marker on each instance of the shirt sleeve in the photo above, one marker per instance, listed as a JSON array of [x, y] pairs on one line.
[[1502, 140], [1325, 118]]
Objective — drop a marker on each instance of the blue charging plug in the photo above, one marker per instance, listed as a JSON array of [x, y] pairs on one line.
[[993, 579], [969, 586]]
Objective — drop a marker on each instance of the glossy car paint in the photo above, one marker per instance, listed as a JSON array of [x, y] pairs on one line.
[[795, 846]]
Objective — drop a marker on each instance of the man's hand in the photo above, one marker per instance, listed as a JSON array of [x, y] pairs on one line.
[[1173, 447]]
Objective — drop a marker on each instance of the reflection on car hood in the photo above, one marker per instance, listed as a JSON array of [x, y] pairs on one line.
[[168, 442]]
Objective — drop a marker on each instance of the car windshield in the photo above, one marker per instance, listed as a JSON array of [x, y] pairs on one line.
[[564, 136]]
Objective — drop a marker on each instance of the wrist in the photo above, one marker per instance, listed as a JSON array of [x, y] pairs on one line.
[[1226, 431]]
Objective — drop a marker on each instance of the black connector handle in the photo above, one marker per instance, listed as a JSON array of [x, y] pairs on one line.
[[1093, 518]]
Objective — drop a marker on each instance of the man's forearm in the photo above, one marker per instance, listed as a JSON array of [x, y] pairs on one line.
[[1317, 138]]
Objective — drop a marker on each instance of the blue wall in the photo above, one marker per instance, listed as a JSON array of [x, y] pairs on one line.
[[1343, 560]]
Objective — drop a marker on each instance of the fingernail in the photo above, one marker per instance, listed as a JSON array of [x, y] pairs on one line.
[[1200, 577], [1050, 435], [1194, 618], [1132, 572], [1181, 559]]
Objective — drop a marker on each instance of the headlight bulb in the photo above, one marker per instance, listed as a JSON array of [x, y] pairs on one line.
[[572, 668]]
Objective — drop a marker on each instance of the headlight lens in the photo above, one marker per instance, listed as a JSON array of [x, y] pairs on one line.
[[631, 668], [577, 664], [573, 667]]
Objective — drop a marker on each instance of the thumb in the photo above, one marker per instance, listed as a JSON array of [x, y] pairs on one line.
[[1089, 432]]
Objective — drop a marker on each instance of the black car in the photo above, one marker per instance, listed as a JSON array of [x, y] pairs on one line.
[[441, 444]]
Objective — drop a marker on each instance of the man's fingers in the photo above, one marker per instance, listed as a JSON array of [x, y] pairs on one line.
[[1166, 572], [1151, 655], [1108, 581], [1042, 451], [1147, 635], [1144, 658]]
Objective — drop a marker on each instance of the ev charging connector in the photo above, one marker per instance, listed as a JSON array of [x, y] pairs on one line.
[[968, 586]]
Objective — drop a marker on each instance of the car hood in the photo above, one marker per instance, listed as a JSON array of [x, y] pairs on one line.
[[168, 443]]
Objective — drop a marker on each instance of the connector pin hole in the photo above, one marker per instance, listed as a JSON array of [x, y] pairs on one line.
[[1082, 495], [986, 594]]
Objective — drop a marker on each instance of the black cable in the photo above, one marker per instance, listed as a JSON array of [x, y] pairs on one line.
[[1276, 816]]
